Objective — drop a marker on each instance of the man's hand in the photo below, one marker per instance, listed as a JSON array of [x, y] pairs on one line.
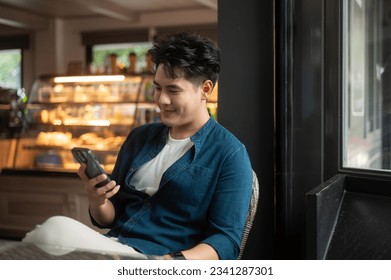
[[100, 206]]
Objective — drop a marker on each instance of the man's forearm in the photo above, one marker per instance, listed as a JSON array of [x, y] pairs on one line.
[[103, 214], [201, 252]]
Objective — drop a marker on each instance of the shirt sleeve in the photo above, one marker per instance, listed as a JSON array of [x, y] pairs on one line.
[[230, 205]]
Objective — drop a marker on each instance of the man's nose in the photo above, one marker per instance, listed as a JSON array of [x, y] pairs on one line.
[[164, 98]]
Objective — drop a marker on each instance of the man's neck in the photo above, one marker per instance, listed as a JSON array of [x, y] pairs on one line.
[[189, 130]]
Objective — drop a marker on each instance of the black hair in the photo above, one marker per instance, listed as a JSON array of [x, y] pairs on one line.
[[197, 58]]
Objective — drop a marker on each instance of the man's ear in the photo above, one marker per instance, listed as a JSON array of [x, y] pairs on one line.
[[207, 88]]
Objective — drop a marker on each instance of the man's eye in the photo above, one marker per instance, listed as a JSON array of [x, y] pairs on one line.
[[173, 91]]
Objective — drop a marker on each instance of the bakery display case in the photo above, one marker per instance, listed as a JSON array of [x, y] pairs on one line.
[[38, 177], [92, 111], [95, 112]]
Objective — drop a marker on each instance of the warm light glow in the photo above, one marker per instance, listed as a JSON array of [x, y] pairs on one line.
[[87, 79], [57, 122], [82, 122]]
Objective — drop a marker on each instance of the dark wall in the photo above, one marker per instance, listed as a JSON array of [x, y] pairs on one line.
[[300, 119], [282, 101], [246, 101], [308, 112]]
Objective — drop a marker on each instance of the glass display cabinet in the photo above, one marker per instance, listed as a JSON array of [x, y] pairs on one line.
[[95, 112], [92, 111]]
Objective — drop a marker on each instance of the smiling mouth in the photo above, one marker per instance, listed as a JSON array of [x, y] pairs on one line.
[[167, 110]]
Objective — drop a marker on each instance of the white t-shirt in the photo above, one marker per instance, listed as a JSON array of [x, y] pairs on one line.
[[147, 177]]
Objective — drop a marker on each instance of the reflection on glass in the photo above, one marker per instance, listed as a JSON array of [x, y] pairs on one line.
[[367, 84]]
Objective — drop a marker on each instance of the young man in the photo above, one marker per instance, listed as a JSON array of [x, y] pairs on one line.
[[180, 188]]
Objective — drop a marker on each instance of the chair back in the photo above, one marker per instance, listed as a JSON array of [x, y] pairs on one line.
[[251, 214]]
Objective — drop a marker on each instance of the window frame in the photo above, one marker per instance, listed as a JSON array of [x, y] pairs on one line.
[[333, 97]]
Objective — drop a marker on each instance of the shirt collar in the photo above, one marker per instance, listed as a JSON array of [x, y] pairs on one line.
[[199, 137]]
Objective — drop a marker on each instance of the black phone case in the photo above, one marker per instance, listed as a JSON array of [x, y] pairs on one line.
[[93, 169]]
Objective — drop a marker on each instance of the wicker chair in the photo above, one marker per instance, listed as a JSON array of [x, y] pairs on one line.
[[251, 214]]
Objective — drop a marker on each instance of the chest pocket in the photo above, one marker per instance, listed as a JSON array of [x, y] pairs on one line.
[[190, 186]]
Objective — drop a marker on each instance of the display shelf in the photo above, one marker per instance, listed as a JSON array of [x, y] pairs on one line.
[[96, 112], [5, 107], [62, 148], [90, 111], [148, 104]]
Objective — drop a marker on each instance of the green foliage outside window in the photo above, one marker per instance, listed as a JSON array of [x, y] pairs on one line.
[[10, 68]]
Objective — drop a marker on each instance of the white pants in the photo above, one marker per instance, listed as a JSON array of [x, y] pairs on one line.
[[60, 235]]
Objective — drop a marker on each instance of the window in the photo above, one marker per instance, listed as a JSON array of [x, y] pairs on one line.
[[101, 54], [100, 44], [11, 68], [367, 84]]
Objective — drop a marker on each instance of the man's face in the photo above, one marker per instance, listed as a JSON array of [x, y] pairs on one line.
[[182, 103]]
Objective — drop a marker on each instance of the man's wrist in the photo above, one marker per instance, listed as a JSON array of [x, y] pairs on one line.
[[177, 255]]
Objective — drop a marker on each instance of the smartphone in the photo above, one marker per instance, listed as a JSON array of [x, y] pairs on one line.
[[93, 169]]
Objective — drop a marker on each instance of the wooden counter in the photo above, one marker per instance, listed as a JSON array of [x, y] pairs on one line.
[[27, 200]]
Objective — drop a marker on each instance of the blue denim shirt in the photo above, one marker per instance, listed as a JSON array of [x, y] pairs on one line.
[[202, 198]]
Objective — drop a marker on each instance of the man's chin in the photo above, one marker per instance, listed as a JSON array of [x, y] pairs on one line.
[[168, 122]]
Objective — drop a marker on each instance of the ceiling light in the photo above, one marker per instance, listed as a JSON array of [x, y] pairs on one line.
[[87, 79]]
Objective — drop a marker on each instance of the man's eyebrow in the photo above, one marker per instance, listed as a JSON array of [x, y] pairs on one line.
[[172, 86]]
